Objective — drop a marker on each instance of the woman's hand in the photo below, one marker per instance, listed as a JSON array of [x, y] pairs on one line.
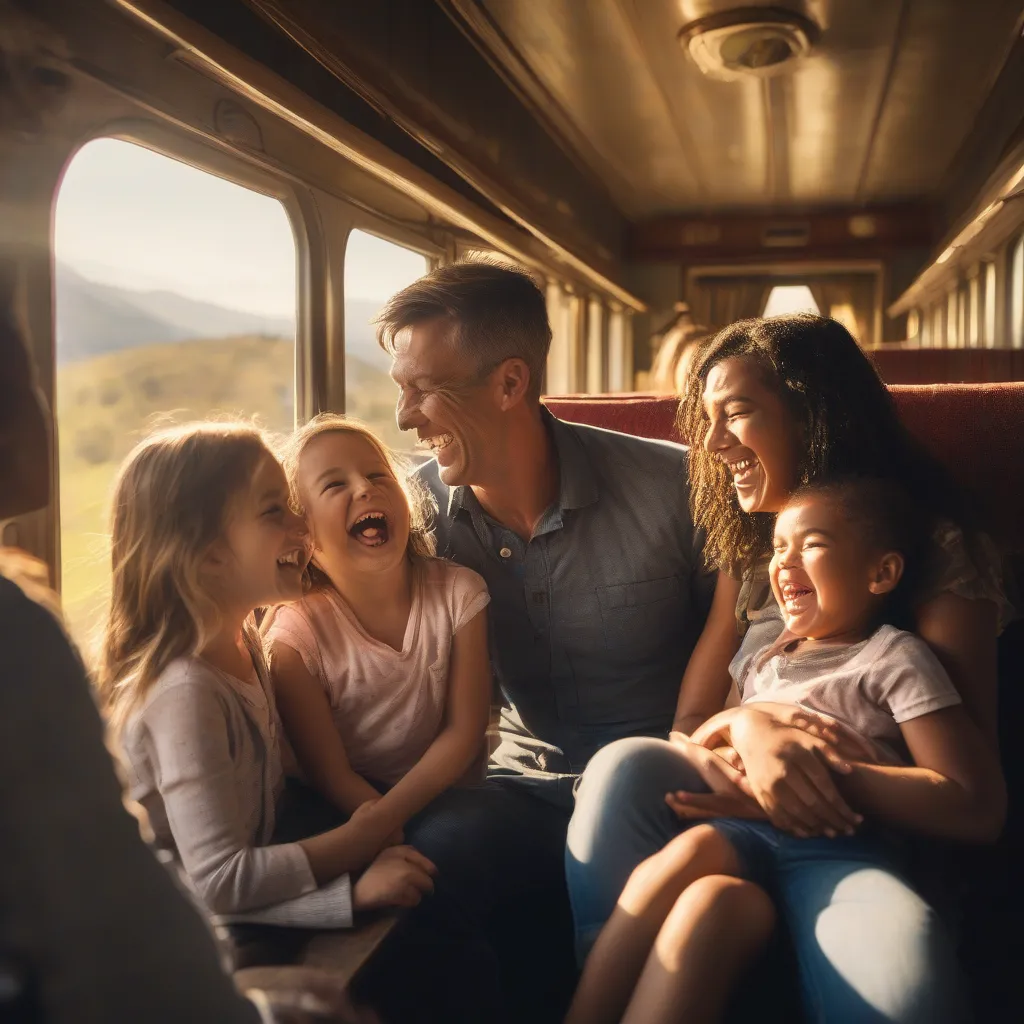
[[398, 877], [787, 754]]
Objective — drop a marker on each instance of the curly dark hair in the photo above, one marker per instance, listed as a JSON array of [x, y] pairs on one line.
[[846, 415]]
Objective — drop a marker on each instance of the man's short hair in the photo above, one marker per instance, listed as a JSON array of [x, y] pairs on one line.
[[496, 310]]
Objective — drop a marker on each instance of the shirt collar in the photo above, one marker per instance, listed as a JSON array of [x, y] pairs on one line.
[[577, 482]]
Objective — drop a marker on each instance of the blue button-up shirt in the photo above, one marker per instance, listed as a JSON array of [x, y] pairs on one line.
[[593, 619]]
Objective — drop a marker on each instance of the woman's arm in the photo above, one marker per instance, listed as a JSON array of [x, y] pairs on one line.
[[706, 680], [466, 712], [306, 714], [954, 791], [962, 633]]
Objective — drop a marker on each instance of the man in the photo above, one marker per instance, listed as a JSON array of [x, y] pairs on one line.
[[598, 594]]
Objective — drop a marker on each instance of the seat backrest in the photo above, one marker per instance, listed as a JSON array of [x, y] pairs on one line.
[[975, 430]]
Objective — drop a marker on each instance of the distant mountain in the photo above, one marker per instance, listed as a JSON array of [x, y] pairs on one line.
[[94, 318], [360, 334]]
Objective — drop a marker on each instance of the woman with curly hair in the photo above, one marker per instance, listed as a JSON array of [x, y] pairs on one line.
[[773, 405]]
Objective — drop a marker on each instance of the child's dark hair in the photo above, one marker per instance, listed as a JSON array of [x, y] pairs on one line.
[[847, 420], [889, 519]]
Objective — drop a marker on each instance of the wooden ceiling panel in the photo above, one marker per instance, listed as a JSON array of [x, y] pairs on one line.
[[949, 56], [877, 112]]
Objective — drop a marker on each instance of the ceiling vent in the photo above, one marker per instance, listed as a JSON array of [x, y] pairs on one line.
[[759, 41]]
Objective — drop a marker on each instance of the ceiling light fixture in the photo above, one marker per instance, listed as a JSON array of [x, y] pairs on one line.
[[758, 41]]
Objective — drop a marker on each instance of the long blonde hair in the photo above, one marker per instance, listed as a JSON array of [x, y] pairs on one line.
[[172, 501], [421, 540]]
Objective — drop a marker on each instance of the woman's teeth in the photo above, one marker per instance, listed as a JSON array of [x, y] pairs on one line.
[[742, 468]]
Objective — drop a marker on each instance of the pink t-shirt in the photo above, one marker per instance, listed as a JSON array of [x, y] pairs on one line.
[[387, 705]]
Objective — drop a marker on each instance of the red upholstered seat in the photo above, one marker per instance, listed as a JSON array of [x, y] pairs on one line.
[[976, 430]]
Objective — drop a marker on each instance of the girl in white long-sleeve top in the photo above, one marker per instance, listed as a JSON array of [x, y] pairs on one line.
[[202, 536]]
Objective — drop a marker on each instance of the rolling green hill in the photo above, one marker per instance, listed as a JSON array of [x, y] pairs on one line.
[[107, 403]]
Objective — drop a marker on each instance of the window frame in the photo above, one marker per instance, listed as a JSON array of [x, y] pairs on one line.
[[234, 167], [1015, 292]]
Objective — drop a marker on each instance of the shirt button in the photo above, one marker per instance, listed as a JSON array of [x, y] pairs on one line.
[[505, 552]]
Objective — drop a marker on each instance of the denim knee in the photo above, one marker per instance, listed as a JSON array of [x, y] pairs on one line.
[[620, 819], [871, 950], [621, 796]]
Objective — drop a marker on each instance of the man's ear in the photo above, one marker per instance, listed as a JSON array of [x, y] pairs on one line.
[[888, 572], [514, 378]]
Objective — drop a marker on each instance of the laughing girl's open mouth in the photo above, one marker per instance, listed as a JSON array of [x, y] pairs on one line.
[[371, 529], [794, 596], [293, 560]]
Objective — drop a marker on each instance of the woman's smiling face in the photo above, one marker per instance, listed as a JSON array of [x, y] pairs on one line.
[[750, 429]]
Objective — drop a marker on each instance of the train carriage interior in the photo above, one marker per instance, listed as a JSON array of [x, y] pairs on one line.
[[206, 203]]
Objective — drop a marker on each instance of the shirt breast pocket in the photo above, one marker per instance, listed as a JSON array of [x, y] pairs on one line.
[[641, 617]]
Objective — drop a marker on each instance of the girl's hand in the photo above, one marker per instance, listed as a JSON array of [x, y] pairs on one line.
[[398, 877], [366, 816], [700, 806], [719, 774], [787, 770], [729, 755]]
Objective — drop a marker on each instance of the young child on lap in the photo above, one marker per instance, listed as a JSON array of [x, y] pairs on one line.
[[381, 671], [693, 915]]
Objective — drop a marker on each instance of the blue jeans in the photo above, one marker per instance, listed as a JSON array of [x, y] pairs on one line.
[[868, 948]]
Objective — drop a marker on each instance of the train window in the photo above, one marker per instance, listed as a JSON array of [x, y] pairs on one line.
[[1016, 290], [973, 314], [952, 338], [595, 346], [938, 326], [175, 300], [565, 357], [375, 269], [989, 320], [964, 315], [619, 376], [914, 326], [790, 298]]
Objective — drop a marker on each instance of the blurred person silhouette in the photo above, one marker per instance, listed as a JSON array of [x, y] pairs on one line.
[[678, 342]]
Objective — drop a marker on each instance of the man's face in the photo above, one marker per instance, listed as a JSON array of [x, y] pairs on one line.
[[455, 409]]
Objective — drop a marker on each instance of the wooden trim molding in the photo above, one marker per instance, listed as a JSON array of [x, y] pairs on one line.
[[259, 85], [832, 234]]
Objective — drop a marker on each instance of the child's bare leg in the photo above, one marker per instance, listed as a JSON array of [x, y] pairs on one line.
[[715, 928], [621, 951]]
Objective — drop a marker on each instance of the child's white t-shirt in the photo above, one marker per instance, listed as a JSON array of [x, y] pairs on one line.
[[870, 687], [388, 706]]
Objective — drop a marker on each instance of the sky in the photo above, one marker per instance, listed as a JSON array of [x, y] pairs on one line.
[[133, 218]]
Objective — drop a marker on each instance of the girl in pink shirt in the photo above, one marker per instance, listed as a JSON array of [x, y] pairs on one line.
[[381, 672]]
